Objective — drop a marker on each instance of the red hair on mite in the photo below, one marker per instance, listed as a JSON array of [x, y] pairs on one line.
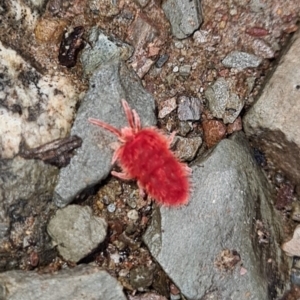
[[144, 154]]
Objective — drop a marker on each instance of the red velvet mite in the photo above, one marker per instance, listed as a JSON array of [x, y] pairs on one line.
[[144, 155]]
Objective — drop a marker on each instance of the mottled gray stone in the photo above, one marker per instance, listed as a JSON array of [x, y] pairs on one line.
[[241, 60], [185, 16], [103, 50], [30, 180], [105, 8], [222, 102], [141, 276], [26, 188], [273, 123], [189, 108], [187, 148], [81, 282], [257, 6], [230, 195], [76, 232], [92, 162]]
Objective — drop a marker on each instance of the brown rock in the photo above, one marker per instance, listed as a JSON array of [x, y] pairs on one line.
[[49, 30], [214, 131]]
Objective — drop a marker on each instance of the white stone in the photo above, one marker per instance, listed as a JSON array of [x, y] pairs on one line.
[[34, 108]]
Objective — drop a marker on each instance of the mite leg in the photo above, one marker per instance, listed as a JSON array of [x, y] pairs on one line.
[[128, 113], [137, 121], [115, 156], [106, 126], [141, 191], [121, 175]]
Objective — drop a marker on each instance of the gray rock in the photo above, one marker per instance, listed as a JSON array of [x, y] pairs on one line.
[[167, 107], [162, 60], [185, 70], [92, 163], [262, 49], [223, 103], [189, 108], [76, 231], [26, 188], [141, 277], [103, 50], [273, 123], [142, 3], [230, 195], [81, 282], [187, 148], [184, 128], [241, 60], [105, 8], [257, 6], [185, 16]]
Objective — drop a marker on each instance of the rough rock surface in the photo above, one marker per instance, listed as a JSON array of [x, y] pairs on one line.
[[34, 108], [273, 123], [241, 60], [231, 196], [185, 16], [186, 148], [92, 163], [26, 188], [81, 282], [103, 50], [76, 231], [223, 103]]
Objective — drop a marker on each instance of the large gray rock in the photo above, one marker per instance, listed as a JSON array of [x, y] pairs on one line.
[[76, 231], [81, 282], [184, 15], [26, 188], [92, 162], [229, 209], [273, 123]]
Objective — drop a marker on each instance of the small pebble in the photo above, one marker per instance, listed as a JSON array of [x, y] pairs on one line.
[[179, 45], [295, 214], [175, 69], [241, 60], [262, 49], [111, 207], [214, 131], [184, 128], [132, 200], [124, 272], [200, 36], [167, 106], [292, 247], [133, 215], [175, 297], [189, 109], [162, 60], [187, 148], [185, 70], [279, 178]]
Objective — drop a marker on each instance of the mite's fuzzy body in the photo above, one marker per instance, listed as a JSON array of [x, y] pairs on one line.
[[144, 155]]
